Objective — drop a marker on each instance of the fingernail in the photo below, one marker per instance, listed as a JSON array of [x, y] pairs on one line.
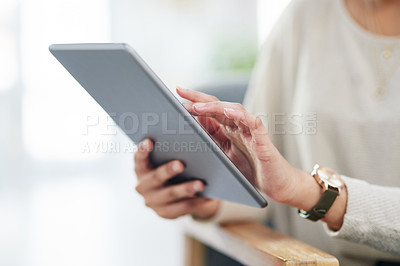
[[229, 111], [176, 167], [197, 186], [144, 144], [199, 105], [181, 89]]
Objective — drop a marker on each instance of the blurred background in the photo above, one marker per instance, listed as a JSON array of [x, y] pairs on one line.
[[67, 193]]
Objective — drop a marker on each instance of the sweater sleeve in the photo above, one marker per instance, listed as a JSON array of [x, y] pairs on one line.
[[372, 216]]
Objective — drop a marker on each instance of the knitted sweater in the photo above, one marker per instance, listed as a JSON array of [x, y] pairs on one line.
[[314, 87]]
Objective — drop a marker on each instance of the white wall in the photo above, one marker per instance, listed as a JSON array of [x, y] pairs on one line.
[[178, 37], [60, 205]]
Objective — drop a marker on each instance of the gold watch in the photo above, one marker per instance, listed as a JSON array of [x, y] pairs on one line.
[[331, 185]]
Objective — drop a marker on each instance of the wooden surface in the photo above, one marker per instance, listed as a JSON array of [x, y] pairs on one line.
[[251, 243], [195, 252]]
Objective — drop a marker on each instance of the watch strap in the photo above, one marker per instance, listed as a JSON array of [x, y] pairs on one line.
[[319, 211]]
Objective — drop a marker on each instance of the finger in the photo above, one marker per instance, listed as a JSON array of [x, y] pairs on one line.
[[215, 107], [188, 206], [220, 118], [214, 129], [236, 115], [195, 96], [174, 193], [255, 125], [217, 111], [188, 106], [159, 176], [142, 162], [217, 117], [210, 125], [239, 120]]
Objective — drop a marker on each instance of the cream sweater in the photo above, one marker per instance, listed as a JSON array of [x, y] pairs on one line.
[[314, 85]]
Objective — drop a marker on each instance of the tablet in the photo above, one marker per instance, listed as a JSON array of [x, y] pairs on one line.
[[143, 107]]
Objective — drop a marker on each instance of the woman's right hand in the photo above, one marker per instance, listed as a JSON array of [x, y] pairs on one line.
[[171, 201]]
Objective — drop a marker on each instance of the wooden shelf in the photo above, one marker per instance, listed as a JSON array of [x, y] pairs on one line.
[[250, 243]]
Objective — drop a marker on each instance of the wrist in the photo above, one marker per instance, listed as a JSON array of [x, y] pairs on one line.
[[308, 193]]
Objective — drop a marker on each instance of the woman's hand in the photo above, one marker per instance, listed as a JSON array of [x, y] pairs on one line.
[[169, 201], [245, 140], [243, 137]]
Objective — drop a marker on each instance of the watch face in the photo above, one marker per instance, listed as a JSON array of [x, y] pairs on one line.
[[330, 177]]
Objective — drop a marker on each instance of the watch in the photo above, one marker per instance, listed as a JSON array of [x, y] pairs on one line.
[[331, 184]]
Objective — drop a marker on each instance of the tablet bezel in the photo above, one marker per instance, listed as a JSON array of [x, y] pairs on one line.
[[55, 48]]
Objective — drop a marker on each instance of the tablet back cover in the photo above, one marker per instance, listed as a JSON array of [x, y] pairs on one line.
[[143, 107]]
